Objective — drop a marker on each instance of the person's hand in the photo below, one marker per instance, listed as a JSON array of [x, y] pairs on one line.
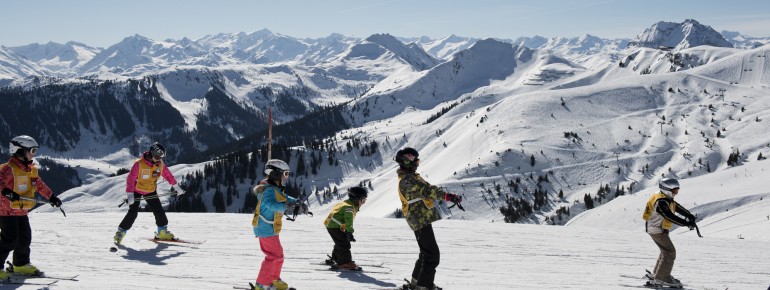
[[177, 189], [453, 198], [10, 194], [54, 201], [350, 237], [691, 224], [129, 198]]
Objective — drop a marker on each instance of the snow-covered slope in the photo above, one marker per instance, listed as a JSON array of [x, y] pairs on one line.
[[625, 133], [475, 255], [730, 204]]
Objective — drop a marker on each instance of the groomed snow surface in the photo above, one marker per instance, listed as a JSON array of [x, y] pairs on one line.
[[475, 255]]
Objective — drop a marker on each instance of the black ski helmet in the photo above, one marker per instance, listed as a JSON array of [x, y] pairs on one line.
[[403, 159], [357, 193], [157, 150]]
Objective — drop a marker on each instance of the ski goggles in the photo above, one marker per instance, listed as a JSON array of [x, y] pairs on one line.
[[286, 173], [32, 150]]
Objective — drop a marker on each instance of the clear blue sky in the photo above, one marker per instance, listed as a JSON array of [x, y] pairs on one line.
[[102, 23]]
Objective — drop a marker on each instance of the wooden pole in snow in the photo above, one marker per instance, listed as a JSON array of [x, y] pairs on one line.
[[269, 133]]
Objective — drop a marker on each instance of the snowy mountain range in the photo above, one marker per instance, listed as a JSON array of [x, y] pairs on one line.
[[541, 121]]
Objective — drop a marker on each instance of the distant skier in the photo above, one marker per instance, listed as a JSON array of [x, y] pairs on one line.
[[268, 217], [142, 183], [339, 224], [19, 180], [660, 213], [417, 203]]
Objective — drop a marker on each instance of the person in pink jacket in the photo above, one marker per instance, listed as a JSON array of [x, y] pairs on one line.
[[142, 183], [19, 180]]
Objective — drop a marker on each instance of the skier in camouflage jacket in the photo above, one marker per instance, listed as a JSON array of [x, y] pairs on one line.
[[417, 201]]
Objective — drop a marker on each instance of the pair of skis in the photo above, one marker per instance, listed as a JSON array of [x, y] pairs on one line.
[[253, 287], [15, 279], [648, 278], [191, 243], [379, 268]]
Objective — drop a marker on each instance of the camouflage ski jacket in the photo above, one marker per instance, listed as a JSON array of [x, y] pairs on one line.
[[417, 199]]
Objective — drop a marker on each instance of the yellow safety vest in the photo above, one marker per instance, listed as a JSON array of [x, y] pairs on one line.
[[277, 221], [650, 209], [405, 203], [337, 209], [25, 184], [147, 180]]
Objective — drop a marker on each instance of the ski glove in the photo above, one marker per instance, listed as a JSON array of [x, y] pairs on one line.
[[10, 194], [54, 201], [177, 189], [453, 198], [129, 198], [350, 237]]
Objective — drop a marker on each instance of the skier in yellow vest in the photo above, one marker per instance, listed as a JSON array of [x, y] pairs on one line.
[[268, 221], [660, 214], [339, 224], [142, 183], [19, 181], [417, 203]]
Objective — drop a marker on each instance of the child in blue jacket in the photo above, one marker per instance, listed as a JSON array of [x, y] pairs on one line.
[[271, 204]]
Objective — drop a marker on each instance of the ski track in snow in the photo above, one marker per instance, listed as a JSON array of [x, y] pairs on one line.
[[475, 255]]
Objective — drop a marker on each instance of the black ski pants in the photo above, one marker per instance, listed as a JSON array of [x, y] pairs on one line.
[[16, 236], [425, 267], [341, 253], [133, 210]]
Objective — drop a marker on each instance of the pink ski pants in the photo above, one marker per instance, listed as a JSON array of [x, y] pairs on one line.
[[271, 266]]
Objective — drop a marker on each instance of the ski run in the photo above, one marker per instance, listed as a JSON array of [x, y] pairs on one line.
[[475, 255]]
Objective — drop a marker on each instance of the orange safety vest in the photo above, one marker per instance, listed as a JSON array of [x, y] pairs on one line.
[[25, 184], [148, 176]]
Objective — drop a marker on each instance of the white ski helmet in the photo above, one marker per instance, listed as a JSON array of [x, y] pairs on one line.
[[21, 142], [276, 164], [667, 185]]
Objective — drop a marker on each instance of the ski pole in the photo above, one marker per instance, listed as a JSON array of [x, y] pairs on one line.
[[125, 200], [42, 201], [304, 208], [460, 206], [697, 230]]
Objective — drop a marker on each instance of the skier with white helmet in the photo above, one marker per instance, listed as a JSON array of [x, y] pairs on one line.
[[19, 180], [141, 183], [660, 213], [267, 221]]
